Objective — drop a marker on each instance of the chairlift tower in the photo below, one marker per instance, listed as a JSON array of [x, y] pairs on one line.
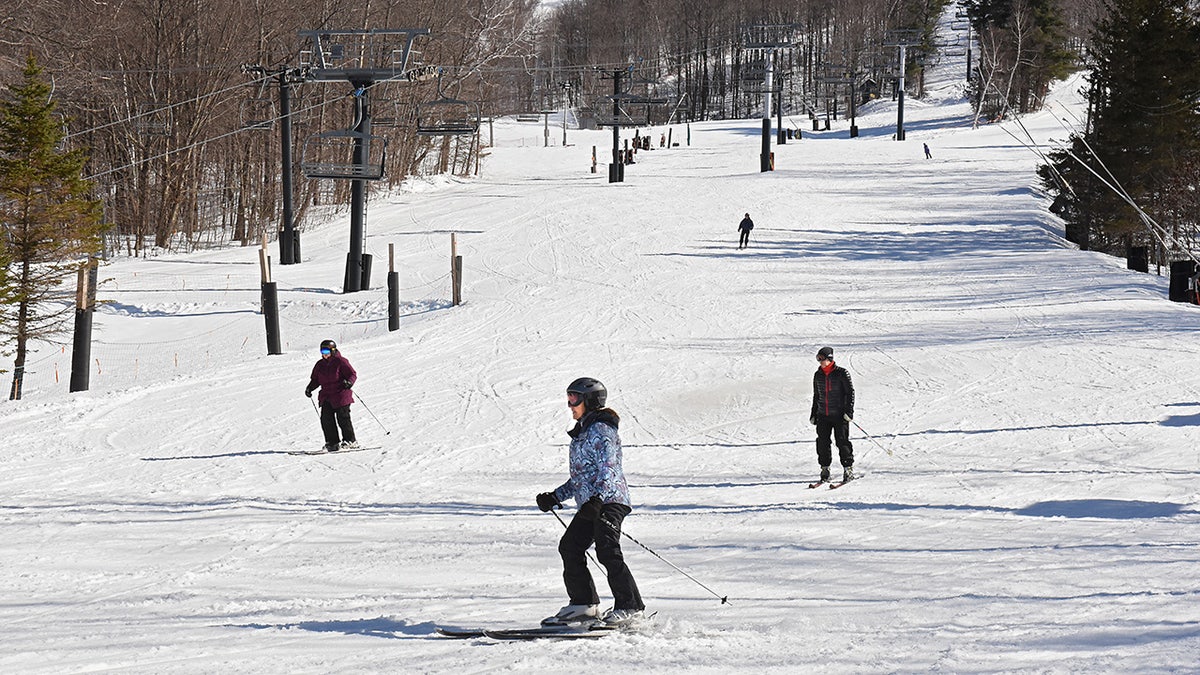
[[768, 38], [903, 39], [616, 170], [622, 95], [837, 76], [362, 57]]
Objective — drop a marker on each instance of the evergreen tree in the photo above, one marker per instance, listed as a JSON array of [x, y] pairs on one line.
[[49, 221], [1143, 126]]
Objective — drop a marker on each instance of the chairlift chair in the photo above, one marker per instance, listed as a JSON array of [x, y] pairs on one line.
[[258, 114], [330, 154], [153, 119], [447, 117], [389, 113]]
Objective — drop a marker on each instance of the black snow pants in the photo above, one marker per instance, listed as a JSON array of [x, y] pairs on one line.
[[331, 419], [606, 533], [841, 435]]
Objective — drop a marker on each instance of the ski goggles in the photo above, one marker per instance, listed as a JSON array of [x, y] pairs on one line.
[[574, 399], [326, 351]]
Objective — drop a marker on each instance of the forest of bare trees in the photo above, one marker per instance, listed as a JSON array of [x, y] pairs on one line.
[[184, 139]]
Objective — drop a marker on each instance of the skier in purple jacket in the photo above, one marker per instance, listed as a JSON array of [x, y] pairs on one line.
[[598, 486], [335, 376]]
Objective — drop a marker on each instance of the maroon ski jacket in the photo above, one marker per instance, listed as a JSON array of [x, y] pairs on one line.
[[329, 374]]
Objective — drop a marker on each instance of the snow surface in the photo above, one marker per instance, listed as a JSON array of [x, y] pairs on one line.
[[1037, 511]]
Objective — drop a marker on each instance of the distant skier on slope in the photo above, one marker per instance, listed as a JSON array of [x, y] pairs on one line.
[[744, 227], [597, 484], [335, 376], [832, 411]]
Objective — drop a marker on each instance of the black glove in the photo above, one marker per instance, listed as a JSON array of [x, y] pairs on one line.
[[308, 391], [812, 420], [346, 384], [849, 417], [547, 501], [591, 508]]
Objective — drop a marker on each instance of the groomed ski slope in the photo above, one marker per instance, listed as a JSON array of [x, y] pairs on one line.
[[1038, 512]]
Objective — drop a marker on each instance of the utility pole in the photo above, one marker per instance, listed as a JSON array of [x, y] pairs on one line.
[[289, 238], [566, 87], [900, 103], [781, 134]]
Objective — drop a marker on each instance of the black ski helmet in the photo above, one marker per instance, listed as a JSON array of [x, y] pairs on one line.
[[329, 344], [593, 392], [825, 352]]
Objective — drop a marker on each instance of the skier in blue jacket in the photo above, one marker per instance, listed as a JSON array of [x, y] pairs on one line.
[[597, 484]]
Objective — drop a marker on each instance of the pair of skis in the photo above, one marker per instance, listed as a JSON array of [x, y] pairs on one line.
[[832, 485], [340, 451], [572, 631], [539, 633]]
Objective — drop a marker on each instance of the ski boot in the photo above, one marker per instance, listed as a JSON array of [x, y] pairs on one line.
[[621, 618], [573, 614]]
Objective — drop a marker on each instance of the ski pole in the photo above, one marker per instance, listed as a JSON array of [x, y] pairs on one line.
[[724, 599], [364, 405], [315, 408], [888, 451]]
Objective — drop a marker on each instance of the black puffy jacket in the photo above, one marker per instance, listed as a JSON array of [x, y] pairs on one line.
[[833, 394]]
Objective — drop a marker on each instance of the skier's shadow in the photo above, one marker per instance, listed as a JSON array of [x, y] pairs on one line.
[[380, 627]]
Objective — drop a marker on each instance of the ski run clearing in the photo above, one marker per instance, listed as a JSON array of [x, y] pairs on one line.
[[1038, 512]]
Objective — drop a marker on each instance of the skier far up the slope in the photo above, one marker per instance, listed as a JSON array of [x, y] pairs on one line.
[[597, 483], [744, 228], [335, 376], [832, 412]]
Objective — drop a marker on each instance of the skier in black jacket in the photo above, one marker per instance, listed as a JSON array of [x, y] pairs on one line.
[[832, 411], [744, 228]]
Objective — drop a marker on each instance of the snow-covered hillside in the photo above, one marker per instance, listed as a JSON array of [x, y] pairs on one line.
[[1037, 511]]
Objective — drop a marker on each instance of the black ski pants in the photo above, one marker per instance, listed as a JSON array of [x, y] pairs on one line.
[[744, 239], [331, 419], [840, 429], [605, 532]]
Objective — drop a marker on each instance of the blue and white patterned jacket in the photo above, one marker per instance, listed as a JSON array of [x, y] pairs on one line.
[[595, 459]]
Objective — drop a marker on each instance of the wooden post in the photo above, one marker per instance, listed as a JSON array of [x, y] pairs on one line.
[[270, 301], [264, 261], [81, 288], [81, 347], [458, 269], [455, 270], [593, 159], [393, 282]]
